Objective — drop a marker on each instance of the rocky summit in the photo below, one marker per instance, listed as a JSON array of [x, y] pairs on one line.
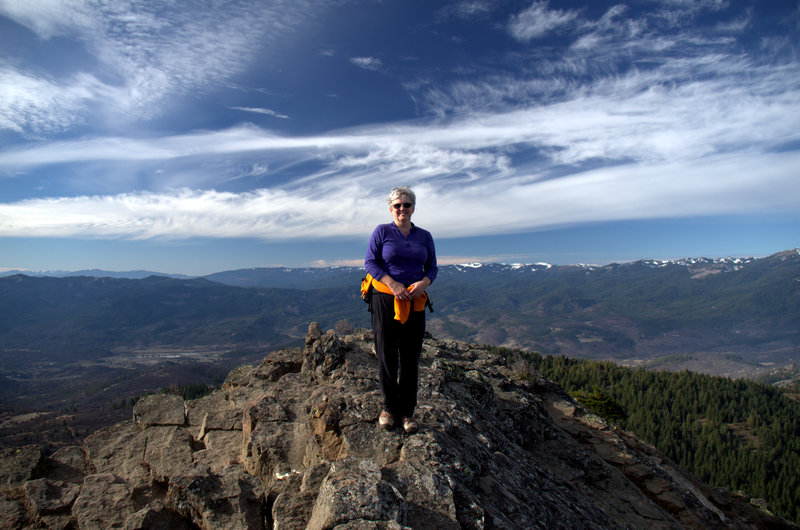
[[294, 443]]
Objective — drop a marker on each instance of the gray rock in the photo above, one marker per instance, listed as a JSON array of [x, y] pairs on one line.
[[222, 449], [292, 510], [57, 522], [19, 464], [231, 499], [323, 354], [12, 512], [238, 377], [294, 443], [354, 490], [104, 502], [156, 516], [276, 365], [118, 449], [313, 334], [141, 456], [67, 464], [159, 409], [167, 452], [428, 494], [363, 524], [46, 497], [212, 413]]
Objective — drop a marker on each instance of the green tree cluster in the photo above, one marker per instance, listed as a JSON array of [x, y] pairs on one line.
[[732, 433]]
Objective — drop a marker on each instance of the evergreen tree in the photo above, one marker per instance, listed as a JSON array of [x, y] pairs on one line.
[[737, 434]]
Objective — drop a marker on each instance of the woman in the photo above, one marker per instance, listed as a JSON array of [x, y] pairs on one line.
[[400, 265]]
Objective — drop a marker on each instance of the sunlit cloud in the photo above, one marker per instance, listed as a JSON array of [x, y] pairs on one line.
[[716, 186], [266, 214]]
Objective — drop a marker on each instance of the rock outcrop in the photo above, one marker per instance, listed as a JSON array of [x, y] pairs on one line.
[[294, 443]]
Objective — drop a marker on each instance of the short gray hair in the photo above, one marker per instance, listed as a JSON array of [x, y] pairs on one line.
[[399, 192]]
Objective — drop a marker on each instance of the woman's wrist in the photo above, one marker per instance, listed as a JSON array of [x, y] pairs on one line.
[[396, 287]]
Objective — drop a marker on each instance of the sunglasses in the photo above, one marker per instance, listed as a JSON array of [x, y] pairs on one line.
[[405, 205]]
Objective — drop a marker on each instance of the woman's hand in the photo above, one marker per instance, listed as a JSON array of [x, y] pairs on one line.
[[418, 289], [415, 290], [398, 289]]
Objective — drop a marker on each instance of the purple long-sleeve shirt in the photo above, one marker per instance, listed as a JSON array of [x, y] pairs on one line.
[[406, 259]]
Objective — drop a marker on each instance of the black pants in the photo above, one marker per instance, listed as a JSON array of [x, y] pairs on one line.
[[398, 347]]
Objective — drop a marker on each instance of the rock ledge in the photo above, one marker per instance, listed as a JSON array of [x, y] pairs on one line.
[[294, 443]]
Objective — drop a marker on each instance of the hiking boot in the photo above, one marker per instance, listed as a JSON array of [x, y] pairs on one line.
[[386, 420], [410, 426]]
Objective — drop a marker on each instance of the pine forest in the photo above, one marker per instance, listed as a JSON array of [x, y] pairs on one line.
[[737, 434]]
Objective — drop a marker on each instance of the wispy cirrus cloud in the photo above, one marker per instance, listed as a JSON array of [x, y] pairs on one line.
[[721, 104], [715, 186], [620, 152], [145, 52], [538, 20], [467, 9], [259, 110], [34, 105], [691, 126], [627, 51]]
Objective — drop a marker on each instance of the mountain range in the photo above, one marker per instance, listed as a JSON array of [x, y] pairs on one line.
[[737, 307], [73, 341]]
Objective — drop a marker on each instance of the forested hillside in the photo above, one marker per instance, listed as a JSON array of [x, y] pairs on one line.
[[736, 434], [743, 310], [747, 310], [63, 319]]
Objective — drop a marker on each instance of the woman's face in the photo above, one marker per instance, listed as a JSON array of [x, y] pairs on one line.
[[400, 212]]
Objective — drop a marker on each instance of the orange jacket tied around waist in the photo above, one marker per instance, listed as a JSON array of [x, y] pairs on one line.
[[402, 308]]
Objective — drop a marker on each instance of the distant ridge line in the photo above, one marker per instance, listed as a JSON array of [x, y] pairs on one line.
[[533, 266]]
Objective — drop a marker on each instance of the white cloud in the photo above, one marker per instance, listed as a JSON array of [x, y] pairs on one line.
[[147, 52], [714, 186], [538, 20], [691, 130], [732, 105], [619, 44], [33, 105], [467, 9], [367, 63], [409, 162], [49, 18], [686, 107], [266, 112], [268, 214]]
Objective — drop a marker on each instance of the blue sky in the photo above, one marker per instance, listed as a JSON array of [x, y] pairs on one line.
[[194, 137]]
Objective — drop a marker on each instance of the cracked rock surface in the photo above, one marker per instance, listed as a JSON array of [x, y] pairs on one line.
[[294, 443]]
